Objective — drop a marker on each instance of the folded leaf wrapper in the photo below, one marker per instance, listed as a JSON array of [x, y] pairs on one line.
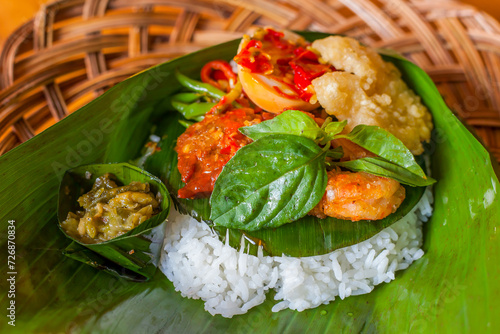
[[133, 255], [452, 289]]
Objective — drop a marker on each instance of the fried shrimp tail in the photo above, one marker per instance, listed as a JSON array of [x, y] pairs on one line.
[[359, 196]]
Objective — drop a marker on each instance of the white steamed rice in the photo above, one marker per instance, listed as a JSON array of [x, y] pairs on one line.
[[231, 282]]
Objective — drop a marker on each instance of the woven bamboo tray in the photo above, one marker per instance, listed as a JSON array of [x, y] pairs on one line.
[[74, 50]]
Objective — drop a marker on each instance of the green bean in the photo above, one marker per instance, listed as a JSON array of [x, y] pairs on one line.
[[185, 124], [187, 97], [197, 109], [193, 110], [179, 106], [198, 86]]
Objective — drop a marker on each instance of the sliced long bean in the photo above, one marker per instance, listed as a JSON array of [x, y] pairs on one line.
[[185, 124], [187, 97], [179, 106], [198, 86], [194, 110]]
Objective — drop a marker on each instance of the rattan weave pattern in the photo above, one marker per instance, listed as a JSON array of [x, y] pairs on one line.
[[73, 50]]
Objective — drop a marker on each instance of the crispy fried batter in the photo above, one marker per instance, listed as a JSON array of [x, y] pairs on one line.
[[367, 90]]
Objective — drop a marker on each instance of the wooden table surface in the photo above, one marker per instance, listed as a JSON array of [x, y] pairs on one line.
[[15, 13]]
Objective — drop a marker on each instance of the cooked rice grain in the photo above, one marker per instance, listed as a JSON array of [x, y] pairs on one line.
[[231, 282]]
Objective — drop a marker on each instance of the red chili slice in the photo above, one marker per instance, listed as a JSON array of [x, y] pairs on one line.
[[276, 38], [282, 60], [218, 70]]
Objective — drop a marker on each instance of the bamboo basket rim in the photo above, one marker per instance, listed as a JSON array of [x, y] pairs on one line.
[[74, 50]]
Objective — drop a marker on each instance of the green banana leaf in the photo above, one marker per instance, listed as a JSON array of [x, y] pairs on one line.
[[454, 288], [307, 236], [133, 255]]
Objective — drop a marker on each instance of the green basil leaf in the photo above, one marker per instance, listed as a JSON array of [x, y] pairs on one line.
[[385, 145], [334, 128], [289, 180], [291, 122], [311, 236], [335, 153], [382, 167]]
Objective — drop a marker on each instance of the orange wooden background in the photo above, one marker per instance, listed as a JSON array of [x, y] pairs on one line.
[[15, 12]]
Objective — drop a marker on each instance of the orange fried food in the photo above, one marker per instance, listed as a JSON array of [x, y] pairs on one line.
[[368, 90], [205, 147], [359, 196], [351, 150]]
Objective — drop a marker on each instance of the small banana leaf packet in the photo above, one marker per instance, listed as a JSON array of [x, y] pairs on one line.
[[132, 255]]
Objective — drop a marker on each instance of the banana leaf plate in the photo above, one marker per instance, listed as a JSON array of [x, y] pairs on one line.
[[453, 288]]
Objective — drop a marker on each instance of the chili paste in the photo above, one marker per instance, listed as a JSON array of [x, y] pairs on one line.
[[205, 147], [110, 210]]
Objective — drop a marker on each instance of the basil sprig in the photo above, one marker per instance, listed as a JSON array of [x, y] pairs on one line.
[[270, 182], [281, 176], [290, 122], [385, 145], [382, 167]]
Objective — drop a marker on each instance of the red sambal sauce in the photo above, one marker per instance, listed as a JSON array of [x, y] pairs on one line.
[[205, 147], [293, 65]]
